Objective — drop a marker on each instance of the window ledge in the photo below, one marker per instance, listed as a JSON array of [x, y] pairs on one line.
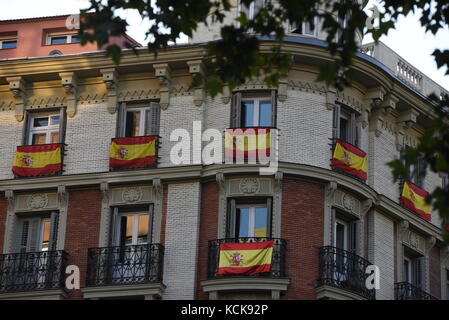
[[152, 290], [332, 293], [57, 294]]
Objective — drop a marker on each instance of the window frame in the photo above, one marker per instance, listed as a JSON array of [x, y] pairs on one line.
[[52, 217], [252, 217], [48, 130], [154, 117], [2, 40], [116, 212], [237, 106], [49, 36], [135, 214], [142, 119], [353, 129], [257, 100]]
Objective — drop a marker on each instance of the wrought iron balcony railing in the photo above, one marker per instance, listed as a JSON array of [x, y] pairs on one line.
[[125, 265], [277, 264], [344, 270], [32, 271], [407, 291]]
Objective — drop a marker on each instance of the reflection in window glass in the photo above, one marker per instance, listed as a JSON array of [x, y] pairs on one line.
[[55, 137], [40, 122], [45, 235], [126, 232], [12, 44], [344, 129], [75, 39], [59, 40], [260, 224], [133, 124], [39, 138], [143, 228], [248, 113], [243, 222], [54, 120], [265, 114]]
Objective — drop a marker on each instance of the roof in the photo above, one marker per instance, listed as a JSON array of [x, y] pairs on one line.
[[35, 18]]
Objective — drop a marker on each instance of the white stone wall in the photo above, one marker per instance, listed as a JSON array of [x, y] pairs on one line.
[[88, 138], [10, 138], [381, 252], [305, 129], [181, 240]]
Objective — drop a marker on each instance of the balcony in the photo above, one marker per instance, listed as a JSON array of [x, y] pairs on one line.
[[407, 291], [124, 271], [344, 271], [32, 271], [259, 285]]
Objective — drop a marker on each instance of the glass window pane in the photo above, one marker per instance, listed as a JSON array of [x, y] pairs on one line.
[[143, 228], [242, 220], [39, 138], [75, 39], [406, 271], [59, 40], [54, 138], [340, 236], [248, 114], [54, 120], [126, 230], [260, 225], [265, 114], [132, 124], [46, 235], [9, 44], [147, 128], [40, 122], [344, 129]]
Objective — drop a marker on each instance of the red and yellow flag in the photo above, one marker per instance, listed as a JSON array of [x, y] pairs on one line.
[[245, 258], [349, 159], [133, 152], [414, 199], [37, 160], [248, 143]]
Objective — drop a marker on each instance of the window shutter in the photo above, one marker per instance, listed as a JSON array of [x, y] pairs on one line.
[[336, 122], [417, 272], [353, 129], [269, 216], [62, 124], [236, 110], [273, 108], [152, 120], [34, 233], [22, 236], [353, 243], [333, 226], [114, 227], [26, 128], [150, 224], [53, 231], [421, 167], [121, 120], [230, 228]]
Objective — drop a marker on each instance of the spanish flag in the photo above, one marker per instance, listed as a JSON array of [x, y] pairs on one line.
[[248, 143], [38, 160], [245, 258], [414, 199], [133, 152], [349, 159]]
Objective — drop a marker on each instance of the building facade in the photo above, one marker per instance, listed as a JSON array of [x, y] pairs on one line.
[[153, 228]]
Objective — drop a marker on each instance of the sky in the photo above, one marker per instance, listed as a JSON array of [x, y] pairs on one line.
[[408, 39]]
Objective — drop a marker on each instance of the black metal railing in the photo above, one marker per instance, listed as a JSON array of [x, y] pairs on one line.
[[32, 271], [125, 265], [344, 270], [407, 291], [277, 264]]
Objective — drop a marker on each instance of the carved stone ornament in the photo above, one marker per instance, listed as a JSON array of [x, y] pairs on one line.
[[132, 194], [249, 185], [348, 202], [414, 240], [37, 201]]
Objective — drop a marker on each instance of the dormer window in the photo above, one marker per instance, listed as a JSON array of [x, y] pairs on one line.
[[62, 38], [8, 43]]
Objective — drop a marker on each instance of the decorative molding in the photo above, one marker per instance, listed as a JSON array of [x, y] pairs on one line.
[[282, 88], [69, 82], [163, 74], [196, 68], [132, 194], [9, 195], [366, 205], [220, 178], [17, 87], [279, 175], [331, 97], [157, 185], [306, 86], [63, 196], [39, 102], [249, 185], [7, 105], [226, 94], [139, 94], [253, 84], [430, 242], [330, 189], [37, 201], [110, 79], [92, 97], [104, 188], [403, 228], [348, 99]]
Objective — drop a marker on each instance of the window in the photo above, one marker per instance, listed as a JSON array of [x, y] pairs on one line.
[[249, 219], [345, 232], [416, 172], [253, 9], [305, 28], [254, 110], [8, 43], [412, 269], [37, 234], [345, 125], [61, 38], [138, 120], [44, 127]]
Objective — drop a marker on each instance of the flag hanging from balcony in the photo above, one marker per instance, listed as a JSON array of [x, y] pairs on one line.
[[413, 198], [349, 159], [245, 258], [248, 143], [37, 160], [133, 152]]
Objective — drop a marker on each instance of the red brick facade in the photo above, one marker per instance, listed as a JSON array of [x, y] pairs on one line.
[[302, 226], [83, 228], [435, 272]]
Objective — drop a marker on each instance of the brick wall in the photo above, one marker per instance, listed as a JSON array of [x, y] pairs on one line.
[[435, 272], [83, 227], [10, 138], [208, 230], [302, 225], [3, 213]]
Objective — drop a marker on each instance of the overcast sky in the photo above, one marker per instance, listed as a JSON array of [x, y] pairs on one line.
[[408, 40]]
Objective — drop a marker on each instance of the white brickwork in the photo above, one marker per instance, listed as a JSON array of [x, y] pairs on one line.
[[10, 138]]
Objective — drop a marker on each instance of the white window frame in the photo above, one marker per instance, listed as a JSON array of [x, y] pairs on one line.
[[409, 270], [256, 102], [135, 235], [345, 233], [6, 40], [142, 124], [47, 130], [251, 217], [68, 36], [303, 28]]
